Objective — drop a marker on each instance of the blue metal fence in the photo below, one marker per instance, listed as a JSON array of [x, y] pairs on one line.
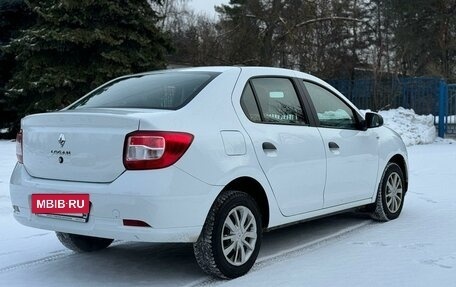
[[422, 94], [451, 103], [450, 113]]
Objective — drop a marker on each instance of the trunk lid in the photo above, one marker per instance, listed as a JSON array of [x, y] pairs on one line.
[[84, 146]]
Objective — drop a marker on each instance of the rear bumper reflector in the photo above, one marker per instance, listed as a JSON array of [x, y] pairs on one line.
[[136, 223]]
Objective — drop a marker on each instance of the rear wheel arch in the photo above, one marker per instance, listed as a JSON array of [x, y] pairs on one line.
[[229, 242], [253, 188]]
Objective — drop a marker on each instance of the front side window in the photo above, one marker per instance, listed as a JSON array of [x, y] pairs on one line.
[[278, 101], [161, 90], [332, 112]]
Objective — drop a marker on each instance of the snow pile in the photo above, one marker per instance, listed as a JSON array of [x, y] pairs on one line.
[[414, 129], [334, 115]]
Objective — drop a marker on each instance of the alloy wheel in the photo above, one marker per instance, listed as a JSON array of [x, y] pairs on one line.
[[239, 235], [393, 192]]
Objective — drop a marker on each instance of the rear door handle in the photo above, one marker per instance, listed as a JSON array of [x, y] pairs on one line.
[[333, 145], [267, 146]]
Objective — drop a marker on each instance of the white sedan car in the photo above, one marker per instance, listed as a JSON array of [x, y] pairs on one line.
[[213, 155]]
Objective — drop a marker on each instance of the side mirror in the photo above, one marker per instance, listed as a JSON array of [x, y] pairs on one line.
[[373, 120]]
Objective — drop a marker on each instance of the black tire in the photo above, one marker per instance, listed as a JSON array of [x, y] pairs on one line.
[[209, 247], [381, 210], [81, 243]]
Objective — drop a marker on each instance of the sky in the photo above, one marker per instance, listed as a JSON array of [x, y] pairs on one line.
[[206, 6]]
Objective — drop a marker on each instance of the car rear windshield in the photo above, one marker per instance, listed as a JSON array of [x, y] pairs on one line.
[[160, 90]]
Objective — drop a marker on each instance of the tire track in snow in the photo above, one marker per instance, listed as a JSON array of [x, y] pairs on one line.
[[57, 255], [60, 254], [287, 253], [208, 281], [26, 237]]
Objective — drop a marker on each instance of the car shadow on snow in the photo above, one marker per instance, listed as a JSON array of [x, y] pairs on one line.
[[136, 264]]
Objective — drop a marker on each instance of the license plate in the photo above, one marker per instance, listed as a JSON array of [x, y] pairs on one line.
[[76, 218], [73, 207]]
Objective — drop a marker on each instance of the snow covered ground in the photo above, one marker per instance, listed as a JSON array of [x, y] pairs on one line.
[[417, 249]]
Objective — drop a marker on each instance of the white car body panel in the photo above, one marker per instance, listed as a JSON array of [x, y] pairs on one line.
[[299, 155], [352, 168], [296, 170], [227, 146], [153, 200], [107, 135]]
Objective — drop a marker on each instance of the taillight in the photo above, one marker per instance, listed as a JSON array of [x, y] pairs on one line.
[[154, 149], [19, 153]]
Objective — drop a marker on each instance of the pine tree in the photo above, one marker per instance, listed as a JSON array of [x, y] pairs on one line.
[[243, 33], [78, 44], [425, 33], [14, 17], [325, 37]]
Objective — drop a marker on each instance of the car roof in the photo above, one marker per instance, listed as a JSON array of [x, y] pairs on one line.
[[219, 69], [270, 70], [261, 70], [222, 69]]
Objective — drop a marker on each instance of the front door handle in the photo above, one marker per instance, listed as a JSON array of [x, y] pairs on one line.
[[267, 146], [333, 145]]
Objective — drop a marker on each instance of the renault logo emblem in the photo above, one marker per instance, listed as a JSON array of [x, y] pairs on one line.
[[62, 140]]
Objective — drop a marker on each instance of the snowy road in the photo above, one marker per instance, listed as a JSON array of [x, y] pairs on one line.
[[418, 249]]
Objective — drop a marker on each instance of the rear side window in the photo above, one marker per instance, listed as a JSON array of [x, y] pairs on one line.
[[166, 90], [277, 99], [249, 104]]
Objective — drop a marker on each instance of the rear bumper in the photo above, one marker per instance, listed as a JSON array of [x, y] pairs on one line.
[[172, 202]]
